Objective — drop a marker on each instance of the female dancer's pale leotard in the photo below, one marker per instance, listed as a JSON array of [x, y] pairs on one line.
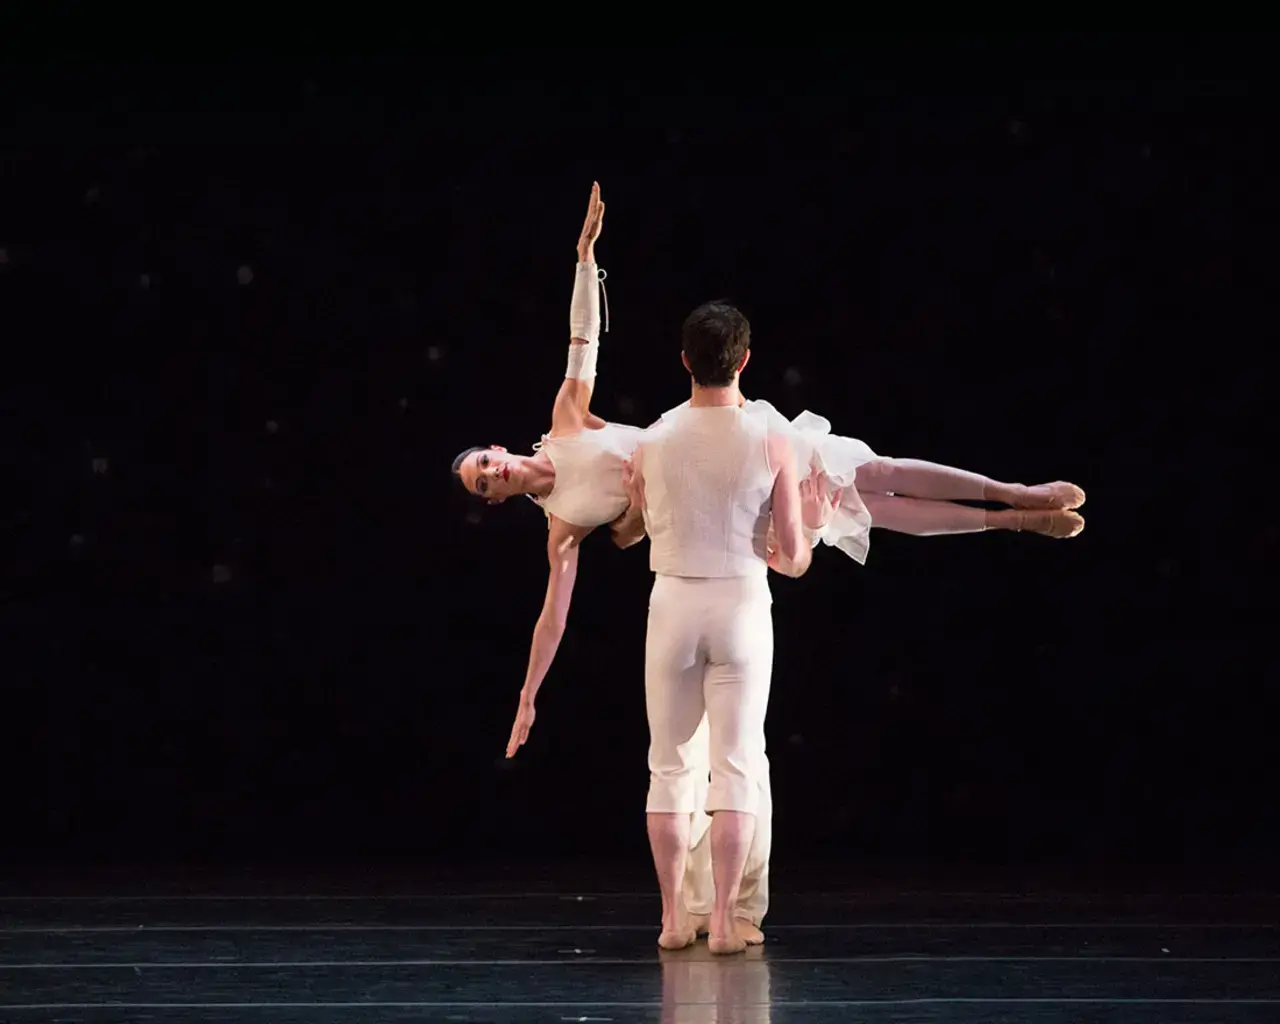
[[588, 490]]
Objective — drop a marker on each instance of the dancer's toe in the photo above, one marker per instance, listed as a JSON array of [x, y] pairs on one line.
[[748, 932], [1057, 523], [1057, 495]]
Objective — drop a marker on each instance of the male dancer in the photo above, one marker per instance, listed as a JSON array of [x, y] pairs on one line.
[[708, 479]]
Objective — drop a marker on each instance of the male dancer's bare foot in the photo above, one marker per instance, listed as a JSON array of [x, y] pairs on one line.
[[724, 938], [701, 924], [674, 938], [678, 931], [1057, 523], [1057, 495], [726, 946]]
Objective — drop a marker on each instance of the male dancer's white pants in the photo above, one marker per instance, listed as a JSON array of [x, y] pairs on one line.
[[699, 887], [709, 650]]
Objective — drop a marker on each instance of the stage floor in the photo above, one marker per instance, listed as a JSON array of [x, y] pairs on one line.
[[242, 947]]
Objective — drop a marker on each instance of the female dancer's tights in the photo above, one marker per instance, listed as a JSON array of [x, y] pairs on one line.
[[917, 497]]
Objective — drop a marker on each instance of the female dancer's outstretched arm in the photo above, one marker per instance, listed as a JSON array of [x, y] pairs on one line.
[[563, 542], [572, 409]]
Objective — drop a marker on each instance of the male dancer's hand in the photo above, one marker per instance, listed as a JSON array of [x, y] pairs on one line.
[[591, 226], [633, 484], [817, 504], [523, 723]]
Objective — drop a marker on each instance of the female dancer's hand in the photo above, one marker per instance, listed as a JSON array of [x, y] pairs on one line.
[[591, 226], [523, 723]]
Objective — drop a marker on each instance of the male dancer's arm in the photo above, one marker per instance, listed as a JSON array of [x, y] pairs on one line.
[[563, 541], [817, 506], [793, 552], [628, 528]]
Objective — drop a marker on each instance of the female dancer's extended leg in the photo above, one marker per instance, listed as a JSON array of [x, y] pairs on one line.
[[917, 497]]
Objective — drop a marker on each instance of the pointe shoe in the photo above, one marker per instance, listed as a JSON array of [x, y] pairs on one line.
[[700, 923], [726, 947], [1057, 523], [677, 940], [1057, 495], [748, 932]]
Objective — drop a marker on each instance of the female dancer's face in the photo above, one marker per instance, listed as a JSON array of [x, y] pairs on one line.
[[492, 473]]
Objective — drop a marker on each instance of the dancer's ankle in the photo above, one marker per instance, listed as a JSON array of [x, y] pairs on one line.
[[1003, 519], [722, 923], [998, 491]]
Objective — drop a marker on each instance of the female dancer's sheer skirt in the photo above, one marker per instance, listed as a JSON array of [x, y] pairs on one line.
[[838, 457]]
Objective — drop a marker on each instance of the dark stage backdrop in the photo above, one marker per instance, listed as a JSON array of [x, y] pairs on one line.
[[250, 314]]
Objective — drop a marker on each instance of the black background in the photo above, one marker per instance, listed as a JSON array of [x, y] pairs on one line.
[[270, 626]]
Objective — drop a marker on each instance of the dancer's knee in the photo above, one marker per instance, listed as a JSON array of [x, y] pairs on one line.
[[673, 790], [734, 785], [875, 477]]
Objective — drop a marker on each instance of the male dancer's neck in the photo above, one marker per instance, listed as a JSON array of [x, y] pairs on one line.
[[709, 397]]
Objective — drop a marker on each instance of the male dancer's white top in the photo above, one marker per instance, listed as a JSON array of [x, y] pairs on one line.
[[708, 488]]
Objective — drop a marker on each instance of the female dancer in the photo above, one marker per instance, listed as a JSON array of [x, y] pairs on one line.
[[576, 476]]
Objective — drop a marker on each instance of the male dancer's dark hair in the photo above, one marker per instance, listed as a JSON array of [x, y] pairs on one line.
[[715, 337]]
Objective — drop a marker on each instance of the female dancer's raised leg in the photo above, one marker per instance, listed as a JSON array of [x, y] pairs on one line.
[[917, 497], [924, 517], [916, 478]]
